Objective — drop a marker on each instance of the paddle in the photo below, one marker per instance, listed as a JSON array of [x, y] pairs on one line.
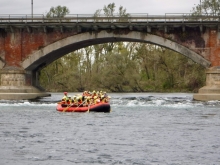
[[71, 105], [88, 108], [79, 105], [64, 110]]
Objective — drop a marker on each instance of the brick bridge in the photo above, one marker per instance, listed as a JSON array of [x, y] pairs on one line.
[[28, 43]]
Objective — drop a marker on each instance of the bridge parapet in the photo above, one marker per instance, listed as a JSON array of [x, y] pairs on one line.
[[134, 17], [88, 22]]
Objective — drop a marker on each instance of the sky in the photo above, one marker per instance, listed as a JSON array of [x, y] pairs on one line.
[[152, 7]]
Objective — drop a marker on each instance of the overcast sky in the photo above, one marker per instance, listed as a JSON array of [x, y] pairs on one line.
[[152, 7]]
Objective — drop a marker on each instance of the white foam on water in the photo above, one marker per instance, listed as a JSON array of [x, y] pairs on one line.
[[26, 104], [180, 105], [168, 103], [158, 102]]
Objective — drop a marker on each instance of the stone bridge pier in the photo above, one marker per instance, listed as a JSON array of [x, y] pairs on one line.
[[212, 89], [16, 85]]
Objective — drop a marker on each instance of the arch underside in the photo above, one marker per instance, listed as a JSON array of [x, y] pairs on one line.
[[52, 52]]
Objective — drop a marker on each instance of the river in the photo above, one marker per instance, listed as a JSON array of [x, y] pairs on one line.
[[141, 129]]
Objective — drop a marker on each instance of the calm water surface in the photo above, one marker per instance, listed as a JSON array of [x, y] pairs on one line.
[[142, 129]]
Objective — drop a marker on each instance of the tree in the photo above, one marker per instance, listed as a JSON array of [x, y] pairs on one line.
[[59, 12], [109, 10], [207, 7]]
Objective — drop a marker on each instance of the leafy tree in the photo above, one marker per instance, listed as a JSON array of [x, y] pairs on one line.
[[109, 10], [59, 11], [207, 7]]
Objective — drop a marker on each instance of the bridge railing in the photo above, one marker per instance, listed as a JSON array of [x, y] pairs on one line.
[[192, 17], [74, 18], [21, 18], [168, 17]]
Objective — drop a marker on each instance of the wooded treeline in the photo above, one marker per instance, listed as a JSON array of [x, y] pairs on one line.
[[121, 67]]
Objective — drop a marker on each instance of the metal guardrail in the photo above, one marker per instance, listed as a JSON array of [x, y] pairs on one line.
[[168, 17]]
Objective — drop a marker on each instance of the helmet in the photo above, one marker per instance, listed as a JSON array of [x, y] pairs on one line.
[[65, 93]]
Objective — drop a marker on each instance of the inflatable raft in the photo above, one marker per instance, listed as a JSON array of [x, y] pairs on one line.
[[100, 107]]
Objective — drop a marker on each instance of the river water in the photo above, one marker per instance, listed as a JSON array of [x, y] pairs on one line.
[[141, 129]]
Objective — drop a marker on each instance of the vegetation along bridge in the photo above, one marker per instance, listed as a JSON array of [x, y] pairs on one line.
[[30, 42]]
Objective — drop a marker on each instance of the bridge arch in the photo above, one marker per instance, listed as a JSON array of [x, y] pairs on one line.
[[50, 53]]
